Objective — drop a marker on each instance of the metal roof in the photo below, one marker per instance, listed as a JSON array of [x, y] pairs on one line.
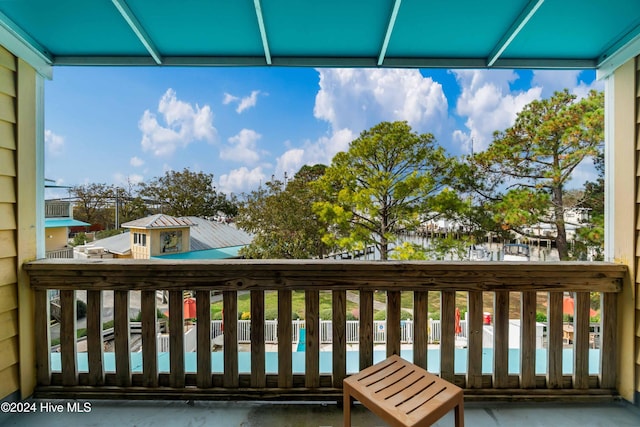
[[204, 235], [119, 244], [215, 235], [360, 33], [158, 221]]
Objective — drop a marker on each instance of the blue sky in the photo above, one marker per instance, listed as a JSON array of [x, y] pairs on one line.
[[116, 124]]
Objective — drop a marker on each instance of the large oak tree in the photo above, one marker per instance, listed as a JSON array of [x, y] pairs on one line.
[[186, 193]]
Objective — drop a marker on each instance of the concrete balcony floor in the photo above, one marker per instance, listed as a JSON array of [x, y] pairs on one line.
[[249, 414]]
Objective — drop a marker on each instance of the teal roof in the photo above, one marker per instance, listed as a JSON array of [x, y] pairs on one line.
[[220, 253], [62, 222], [387, 33]]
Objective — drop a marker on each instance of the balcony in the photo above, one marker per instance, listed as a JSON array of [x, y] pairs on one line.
[[57, 209], [551, 372]]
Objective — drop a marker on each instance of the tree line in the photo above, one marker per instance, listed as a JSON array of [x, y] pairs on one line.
[[177, 193], [392, 180]]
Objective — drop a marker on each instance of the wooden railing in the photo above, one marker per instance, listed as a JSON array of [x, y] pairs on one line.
[[497, 280]]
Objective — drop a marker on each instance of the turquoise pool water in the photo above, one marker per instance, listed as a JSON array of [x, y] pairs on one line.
[[298, 362]]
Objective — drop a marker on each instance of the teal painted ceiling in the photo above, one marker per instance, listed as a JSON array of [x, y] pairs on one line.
[[391, 33]]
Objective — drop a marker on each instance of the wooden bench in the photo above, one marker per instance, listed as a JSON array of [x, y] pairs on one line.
[[403, 394]]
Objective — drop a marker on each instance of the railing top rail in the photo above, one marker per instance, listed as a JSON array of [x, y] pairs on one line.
[[325, 274]]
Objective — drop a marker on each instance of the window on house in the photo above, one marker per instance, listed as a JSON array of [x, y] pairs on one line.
[[140, 239]]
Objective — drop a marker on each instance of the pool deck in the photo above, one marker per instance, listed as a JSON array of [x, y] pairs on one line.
[[259, 414]]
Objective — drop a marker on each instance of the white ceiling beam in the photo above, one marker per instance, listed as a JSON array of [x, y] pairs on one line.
[[22, 45], [387, 36], [621, 51], [263, 31], [138, 29], [517, 26]]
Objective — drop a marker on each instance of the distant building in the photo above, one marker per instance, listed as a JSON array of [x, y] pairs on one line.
[[57, 222], [166, 237]]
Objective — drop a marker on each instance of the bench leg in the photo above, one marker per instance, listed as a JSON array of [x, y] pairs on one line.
[[459, 414], [346, 407]]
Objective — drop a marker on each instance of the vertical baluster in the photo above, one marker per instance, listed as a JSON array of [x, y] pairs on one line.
[[581, 341], [230, 376], [393, 323], [285, 376], [608, 340], [258, 378], [176, 339], [121, 332], [68, 338], [42, 337], [501, 340], [203, 314], [447, 331], [474, 340], [149, 339], [420, 328], [312, 349], [95, 341], [366, 329], [528, 340], [339, 338], [555, 327]]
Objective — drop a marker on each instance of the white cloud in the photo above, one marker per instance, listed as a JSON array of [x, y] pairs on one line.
[[125, 180], [241, 180], [243, 103], [228, 98], [290, 161], [136, 161], [488, 103], [242, 147], [352, 100], [556, 80], [360, 98], [320, 151], [182, 123], [53, 142]]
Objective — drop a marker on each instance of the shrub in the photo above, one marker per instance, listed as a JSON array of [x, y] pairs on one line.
[[81, 309], [326, 314], [380, 315], [351, 316], [271, 314], [79, 239], [138, 317], [541, 317], [246, 315], [405, 315]]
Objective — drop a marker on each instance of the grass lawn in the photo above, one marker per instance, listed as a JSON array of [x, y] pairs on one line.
[[271, 305]]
